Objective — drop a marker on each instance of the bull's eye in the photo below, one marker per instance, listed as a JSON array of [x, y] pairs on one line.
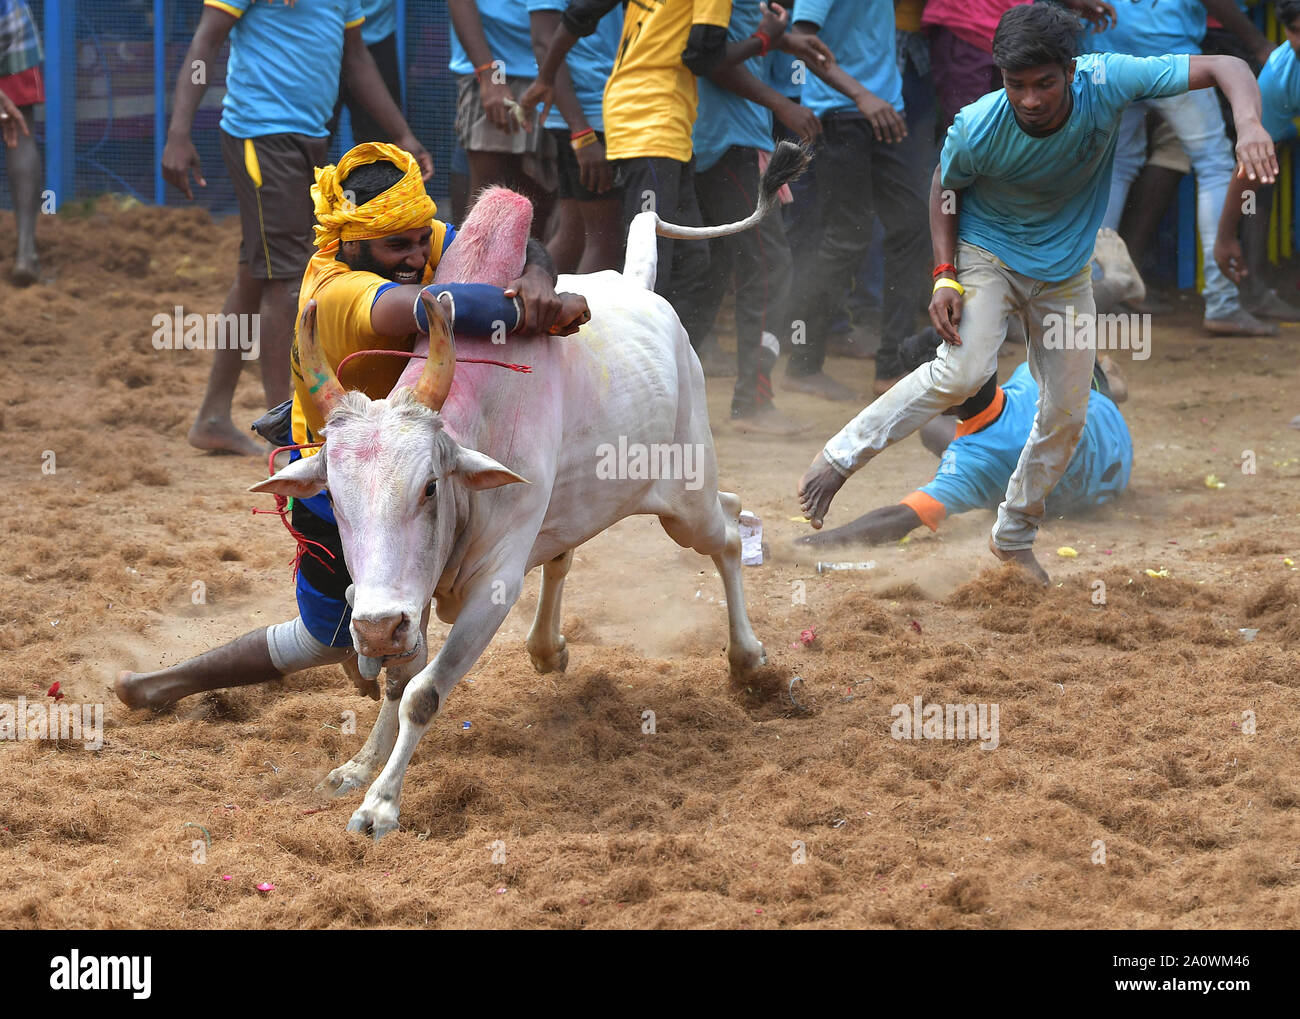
[[430, 489]]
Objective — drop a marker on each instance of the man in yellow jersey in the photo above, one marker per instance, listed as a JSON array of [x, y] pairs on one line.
[[650, 104], [377, 245]]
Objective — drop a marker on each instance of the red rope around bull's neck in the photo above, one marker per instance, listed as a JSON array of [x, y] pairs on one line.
[[282, 511], [282, 502]]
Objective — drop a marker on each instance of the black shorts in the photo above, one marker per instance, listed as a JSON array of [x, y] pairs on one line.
[[275, 217], [566, 163]]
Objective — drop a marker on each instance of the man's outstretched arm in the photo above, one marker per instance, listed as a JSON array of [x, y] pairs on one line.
[[1256, 157]]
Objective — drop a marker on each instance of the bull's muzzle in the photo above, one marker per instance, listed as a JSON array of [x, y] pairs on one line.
[[383, 636]]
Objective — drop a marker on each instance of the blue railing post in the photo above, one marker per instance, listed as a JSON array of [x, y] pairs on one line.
[[401, 53], [159, 98], [60, 98]]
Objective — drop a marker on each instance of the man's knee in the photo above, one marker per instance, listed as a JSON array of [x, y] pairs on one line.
[[293, 648], [958, 377]]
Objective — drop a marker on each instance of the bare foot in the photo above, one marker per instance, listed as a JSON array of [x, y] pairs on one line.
[[1118, 385], [222, 436], [134, 690], [817, 488], [821, 384], [25, 272], [1295, 421], [1024, 557], [767, 420]]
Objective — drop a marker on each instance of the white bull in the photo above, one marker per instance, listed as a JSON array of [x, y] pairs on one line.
[[426, 509]]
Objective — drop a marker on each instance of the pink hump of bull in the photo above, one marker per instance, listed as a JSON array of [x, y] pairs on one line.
[[490, 247]]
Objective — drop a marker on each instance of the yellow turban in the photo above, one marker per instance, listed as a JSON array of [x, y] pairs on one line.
[[404, 206]]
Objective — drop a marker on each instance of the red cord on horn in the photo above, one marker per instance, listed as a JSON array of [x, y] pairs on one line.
[[522, 368]]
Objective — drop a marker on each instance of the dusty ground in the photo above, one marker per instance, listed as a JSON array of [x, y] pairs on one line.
[[1120, 722]]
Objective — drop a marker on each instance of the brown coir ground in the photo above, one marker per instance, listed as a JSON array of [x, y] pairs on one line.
[[1126, 724]]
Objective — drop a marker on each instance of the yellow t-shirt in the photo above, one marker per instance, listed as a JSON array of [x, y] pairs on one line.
[[651, 98], [343, 299]]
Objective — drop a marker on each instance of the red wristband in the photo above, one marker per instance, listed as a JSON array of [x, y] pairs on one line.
[[947, 268], [578, 134], [765, 42], [485, 67]]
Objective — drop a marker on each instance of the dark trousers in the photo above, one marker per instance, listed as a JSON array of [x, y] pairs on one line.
[[861, 178], [759, 263], [364, 126], [667, 187]]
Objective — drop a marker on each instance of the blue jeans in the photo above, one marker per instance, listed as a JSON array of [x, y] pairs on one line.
[[1195, 118]]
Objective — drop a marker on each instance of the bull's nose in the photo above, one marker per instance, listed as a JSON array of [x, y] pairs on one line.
[[385, 635]]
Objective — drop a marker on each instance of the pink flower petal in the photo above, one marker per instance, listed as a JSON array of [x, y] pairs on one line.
[[266, 886]]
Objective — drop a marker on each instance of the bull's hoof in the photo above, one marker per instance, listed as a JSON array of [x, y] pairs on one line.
[[558, 661], [745, 661], [344, 779], [376, 821]]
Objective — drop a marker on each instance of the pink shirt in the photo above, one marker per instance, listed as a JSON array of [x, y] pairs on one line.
[[972, 21]]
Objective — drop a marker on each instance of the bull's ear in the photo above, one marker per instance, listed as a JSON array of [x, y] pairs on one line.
[[300, 480], [478, 471]]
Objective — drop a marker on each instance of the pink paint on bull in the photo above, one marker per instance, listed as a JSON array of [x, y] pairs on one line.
[[442, 514], [489, 247]]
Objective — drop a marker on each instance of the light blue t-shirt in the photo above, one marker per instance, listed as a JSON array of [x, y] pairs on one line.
[[976, 468], [1279, 86], [861, 35], [1152, 28], [381, 20], [1036, 203], [505, 26], [285, 61], [781, 74], [590, 63], [724, 118]]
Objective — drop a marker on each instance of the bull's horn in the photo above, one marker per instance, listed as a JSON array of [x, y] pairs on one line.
[[322, 384], [435, 380]]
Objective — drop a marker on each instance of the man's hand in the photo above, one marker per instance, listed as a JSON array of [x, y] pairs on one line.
[[807, 47], [540, 304], [11, 121], [574, 314], [494, 96], [1230, 259], [179, 158], [945, 314], [884, 119], [408, 142], [1256, 157], [774, 22], [539, 93], [801, 120], [1099, 14], [593, 168]]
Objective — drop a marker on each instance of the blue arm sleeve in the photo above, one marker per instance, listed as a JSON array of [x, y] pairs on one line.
[[480, 308]]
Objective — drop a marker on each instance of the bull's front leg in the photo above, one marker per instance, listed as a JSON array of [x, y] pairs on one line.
[[379, 744], [425, 694]]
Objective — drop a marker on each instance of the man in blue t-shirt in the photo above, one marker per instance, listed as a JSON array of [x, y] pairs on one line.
[[1015, 205], [868, 166], [282, 78], [1279, 86], [492, 58], [979, 455], [379, 33], [588, 234], [1149, 28]]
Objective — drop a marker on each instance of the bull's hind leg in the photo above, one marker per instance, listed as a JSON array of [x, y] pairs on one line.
[[718, 536], [546, 645]]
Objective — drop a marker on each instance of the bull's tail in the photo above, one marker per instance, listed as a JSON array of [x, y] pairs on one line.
[[642, 262]]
